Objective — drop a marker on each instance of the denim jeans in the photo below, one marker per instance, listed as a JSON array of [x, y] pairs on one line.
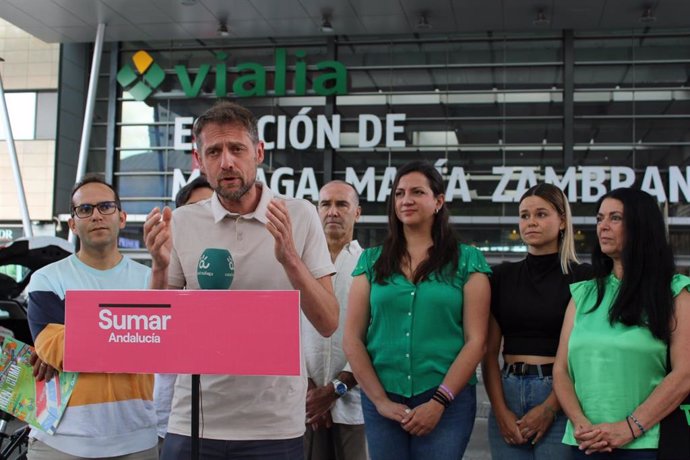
[[521, 394], [387, 440], [617, 454]]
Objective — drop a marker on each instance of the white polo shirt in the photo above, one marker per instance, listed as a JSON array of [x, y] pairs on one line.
[[244, 407]]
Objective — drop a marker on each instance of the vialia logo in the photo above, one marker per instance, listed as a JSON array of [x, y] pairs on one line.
[[250, 79]]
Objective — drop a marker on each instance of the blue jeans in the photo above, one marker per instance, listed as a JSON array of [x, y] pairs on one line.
[[521, 394], [447, 441], [178, 447], [617, 454]]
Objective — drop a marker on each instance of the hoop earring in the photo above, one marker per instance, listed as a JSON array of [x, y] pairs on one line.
[[561, 234]]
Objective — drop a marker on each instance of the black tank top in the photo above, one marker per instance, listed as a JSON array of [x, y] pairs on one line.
[[529, 299]]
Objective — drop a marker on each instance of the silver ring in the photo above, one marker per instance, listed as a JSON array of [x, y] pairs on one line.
[[407, 411]]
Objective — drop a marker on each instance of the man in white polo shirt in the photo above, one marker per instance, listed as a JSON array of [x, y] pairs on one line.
[[276, 243], [335, 424]]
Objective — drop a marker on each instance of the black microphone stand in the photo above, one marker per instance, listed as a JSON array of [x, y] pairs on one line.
[[196, 383]]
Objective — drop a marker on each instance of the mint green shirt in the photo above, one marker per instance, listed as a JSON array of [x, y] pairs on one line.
[[614, 368], [416, 330]]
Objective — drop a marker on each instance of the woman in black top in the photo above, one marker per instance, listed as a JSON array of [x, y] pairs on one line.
[[528, 303]]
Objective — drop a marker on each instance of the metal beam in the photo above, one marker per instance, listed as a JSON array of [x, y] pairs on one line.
[[329, 110], [23, 207], [88, 111], [112, 104], [568, 98], [90, 103]]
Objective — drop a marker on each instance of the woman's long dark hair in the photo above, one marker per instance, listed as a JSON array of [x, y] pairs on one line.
[[644, 297], [443, 255]]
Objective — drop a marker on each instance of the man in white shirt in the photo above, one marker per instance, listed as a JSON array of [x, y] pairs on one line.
[[276, 243], [335, 426]]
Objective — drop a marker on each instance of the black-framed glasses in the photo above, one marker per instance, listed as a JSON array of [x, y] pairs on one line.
[[86, 210]]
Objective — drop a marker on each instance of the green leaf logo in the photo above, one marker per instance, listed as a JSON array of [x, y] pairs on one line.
[[141, 77]]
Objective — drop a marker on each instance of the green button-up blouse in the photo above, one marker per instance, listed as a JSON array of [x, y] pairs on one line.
[[416, 331]]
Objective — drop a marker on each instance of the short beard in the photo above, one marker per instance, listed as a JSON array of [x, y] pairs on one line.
[[237, 194]]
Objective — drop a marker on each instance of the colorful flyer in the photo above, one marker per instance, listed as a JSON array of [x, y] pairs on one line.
[[40, 404]]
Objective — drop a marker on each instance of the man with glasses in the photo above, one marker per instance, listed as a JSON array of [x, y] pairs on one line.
[[108, 415]]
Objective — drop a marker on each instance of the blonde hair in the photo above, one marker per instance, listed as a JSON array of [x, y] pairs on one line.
[[566, 244]]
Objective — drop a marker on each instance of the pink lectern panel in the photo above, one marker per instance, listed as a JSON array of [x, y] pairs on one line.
[[183, 332]]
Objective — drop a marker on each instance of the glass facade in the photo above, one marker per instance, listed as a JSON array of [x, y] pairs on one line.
[[494, 112]]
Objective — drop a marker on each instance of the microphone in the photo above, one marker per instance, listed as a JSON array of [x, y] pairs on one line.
[[216, 269]]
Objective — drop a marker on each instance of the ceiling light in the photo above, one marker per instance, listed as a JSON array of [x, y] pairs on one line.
[[541, 19], [326, 26], [647, 16], [223, 30], [423, 22]]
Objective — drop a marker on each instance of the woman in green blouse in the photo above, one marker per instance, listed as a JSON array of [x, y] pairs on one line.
[[610, 373], [416, 326]]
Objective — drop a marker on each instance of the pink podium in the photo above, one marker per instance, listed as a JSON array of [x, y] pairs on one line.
[[183, 332]]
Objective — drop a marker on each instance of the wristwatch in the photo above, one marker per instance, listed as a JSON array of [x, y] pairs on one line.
[[340, 387]]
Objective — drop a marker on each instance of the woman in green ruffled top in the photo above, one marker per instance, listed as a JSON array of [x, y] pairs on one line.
[[610, 373]]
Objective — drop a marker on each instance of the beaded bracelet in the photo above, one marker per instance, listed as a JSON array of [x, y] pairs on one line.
[[439, 399], [637, 422], [447, 391], [631, 428], [441, 395]]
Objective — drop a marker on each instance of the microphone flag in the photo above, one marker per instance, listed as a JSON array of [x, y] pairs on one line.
[[216, 269]]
